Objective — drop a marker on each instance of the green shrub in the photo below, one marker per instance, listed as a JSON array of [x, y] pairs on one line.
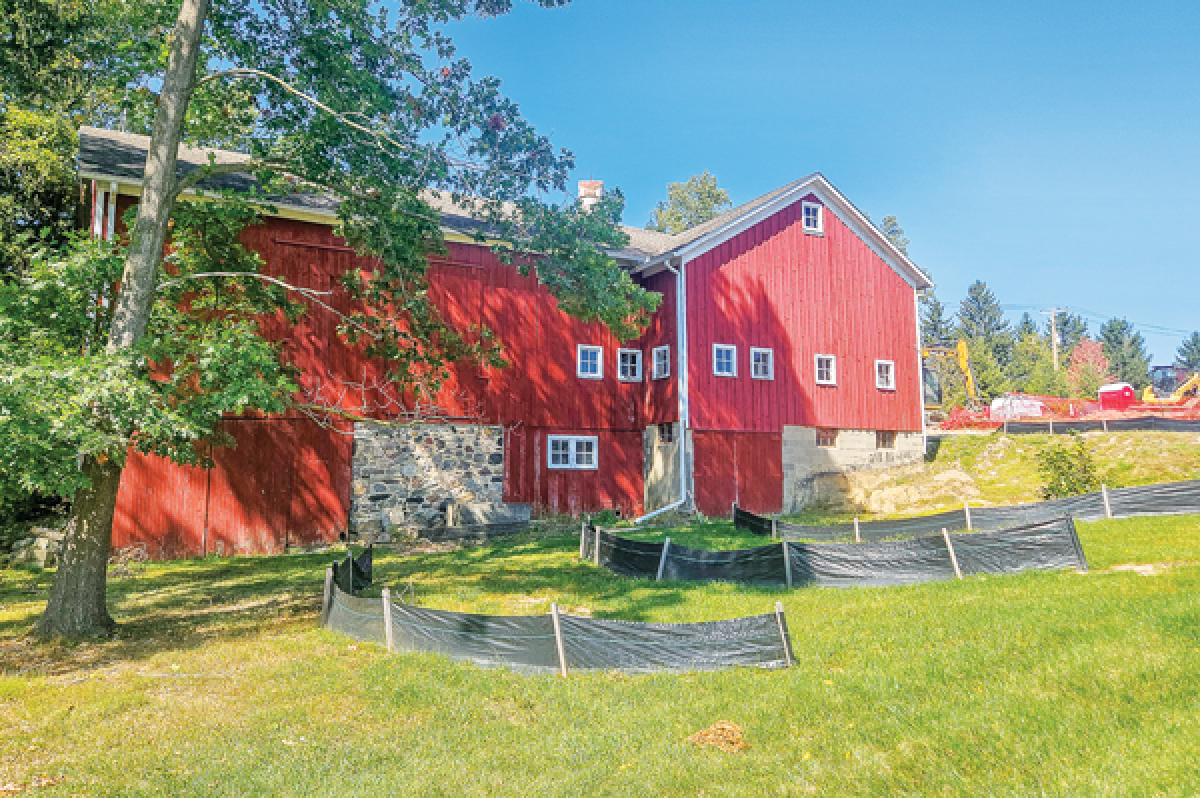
[[1067, 469], [605, 518]]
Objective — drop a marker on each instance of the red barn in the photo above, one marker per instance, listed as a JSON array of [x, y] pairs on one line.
[[785, 349]]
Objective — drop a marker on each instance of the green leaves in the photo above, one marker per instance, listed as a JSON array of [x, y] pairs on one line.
[[690, 203], [1067, 469]]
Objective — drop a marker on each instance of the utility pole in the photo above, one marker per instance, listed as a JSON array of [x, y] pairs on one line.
[[1054, 335]]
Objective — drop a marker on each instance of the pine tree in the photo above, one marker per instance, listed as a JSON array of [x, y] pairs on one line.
[[1188, 354], [981, 320], [1026, 326], [1071, 330], [937, 328], [1125, 349]]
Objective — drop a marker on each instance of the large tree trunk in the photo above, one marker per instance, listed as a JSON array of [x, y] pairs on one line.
[[132, 310], [76, 607]]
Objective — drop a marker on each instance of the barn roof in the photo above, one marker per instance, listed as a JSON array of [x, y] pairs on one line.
[[116, 156]]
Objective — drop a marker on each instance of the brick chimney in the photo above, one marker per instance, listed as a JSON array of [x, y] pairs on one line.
[[590, 192]]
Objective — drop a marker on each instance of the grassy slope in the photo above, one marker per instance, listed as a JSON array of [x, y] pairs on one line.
[[1002, 469], [1044, 683]]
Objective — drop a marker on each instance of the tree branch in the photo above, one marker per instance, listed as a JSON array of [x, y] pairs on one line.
[[309, 293]]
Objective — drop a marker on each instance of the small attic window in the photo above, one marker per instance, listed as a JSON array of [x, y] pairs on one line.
[[814, 218]]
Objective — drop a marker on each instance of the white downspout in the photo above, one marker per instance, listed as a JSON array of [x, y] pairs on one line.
[[681, 381], [920, 374]]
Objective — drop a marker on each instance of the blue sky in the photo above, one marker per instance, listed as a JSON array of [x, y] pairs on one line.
[[1051, 149]]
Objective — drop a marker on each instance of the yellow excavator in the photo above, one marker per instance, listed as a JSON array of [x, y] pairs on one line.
[[933, 387], [1188, 390]]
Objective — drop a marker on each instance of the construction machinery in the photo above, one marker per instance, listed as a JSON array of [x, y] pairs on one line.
[[1189, 389], [932, 382]]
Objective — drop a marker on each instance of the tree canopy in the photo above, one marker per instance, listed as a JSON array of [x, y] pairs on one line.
[[1188, 354], [1125, 349], [692, 202], [108, 346]]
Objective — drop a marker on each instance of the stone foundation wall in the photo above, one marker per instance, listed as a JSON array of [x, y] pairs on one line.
[[407, 476], [814, 473]]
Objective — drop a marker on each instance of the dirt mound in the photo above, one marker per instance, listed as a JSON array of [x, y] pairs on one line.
[[722, 735]]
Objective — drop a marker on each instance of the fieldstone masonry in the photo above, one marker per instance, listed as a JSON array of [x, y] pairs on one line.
[[814, 473], [405, 477]]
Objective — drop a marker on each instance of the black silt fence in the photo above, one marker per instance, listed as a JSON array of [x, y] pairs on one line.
[[1046, 545], [1145, 424], [559, 643], [1169, 498], [354, 573]]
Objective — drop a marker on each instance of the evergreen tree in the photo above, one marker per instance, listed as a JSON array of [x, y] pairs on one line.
[[1031, 369], [937, 327], [981, 321], [1026, 326], [1188, 354], [895, 233], [1125, 349], [1071, 330]]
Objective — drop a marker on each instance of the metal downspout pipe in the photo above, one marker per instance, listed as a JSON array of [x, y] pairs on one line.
[[681, 361]]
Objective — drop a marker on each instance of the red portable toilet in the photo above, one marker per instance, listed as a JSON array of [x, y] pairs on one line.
[[1117, 396]]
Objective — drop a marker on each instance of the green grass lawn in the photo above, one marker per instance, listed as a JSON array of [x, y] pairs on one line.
[[220, 684]]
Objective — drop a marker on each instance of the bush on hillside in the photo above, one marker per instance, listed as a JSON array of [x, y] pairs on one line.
[[1067, 468]]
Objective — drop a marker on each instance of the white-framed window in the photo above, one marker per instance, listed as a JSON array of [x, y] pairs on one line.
[[662, 362], [762, 363], [827, 438], [573, 451], [724, 360], [885, 439], [885, 376], [814, 217], [629, 365], [589, 362], [826, 370]]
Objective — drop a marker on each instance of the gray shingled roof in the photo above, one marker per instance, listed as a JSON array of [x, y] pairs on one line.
[[112, 155]]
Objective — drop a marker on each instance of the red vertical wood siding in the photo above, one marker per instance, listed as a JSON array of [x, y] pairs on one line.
[[773, 286], [616, 485], [742, 467], [161, 505], [287, 482]]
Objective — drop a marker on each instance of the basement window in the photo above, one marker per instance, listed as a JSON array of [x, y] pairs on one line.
[[885, 439], [826, 370], [589, 362], [629, 365], [826, 437], [762, 363], [573, 451], [724, 360], [814, 218], [662, 362], [666, 433], [885, 375]]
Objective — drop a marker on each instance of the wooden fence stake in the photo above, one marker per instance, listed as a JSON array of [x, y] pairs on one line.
[[953, 557], [596, 548], [857, 536], [1104, 421], [774, 529], [1107, 506], [387, 620], [782, 622], [327, 602], [733, 511], [582, 539], [662, 560], [787, 562], [558, 641], [1051, 426], [967, 512]]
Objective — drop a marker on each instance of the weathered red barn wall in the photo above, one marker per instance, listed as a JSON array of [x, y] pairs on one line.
[[774, 286], [287, 482], [616, 485], [741, 467]]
